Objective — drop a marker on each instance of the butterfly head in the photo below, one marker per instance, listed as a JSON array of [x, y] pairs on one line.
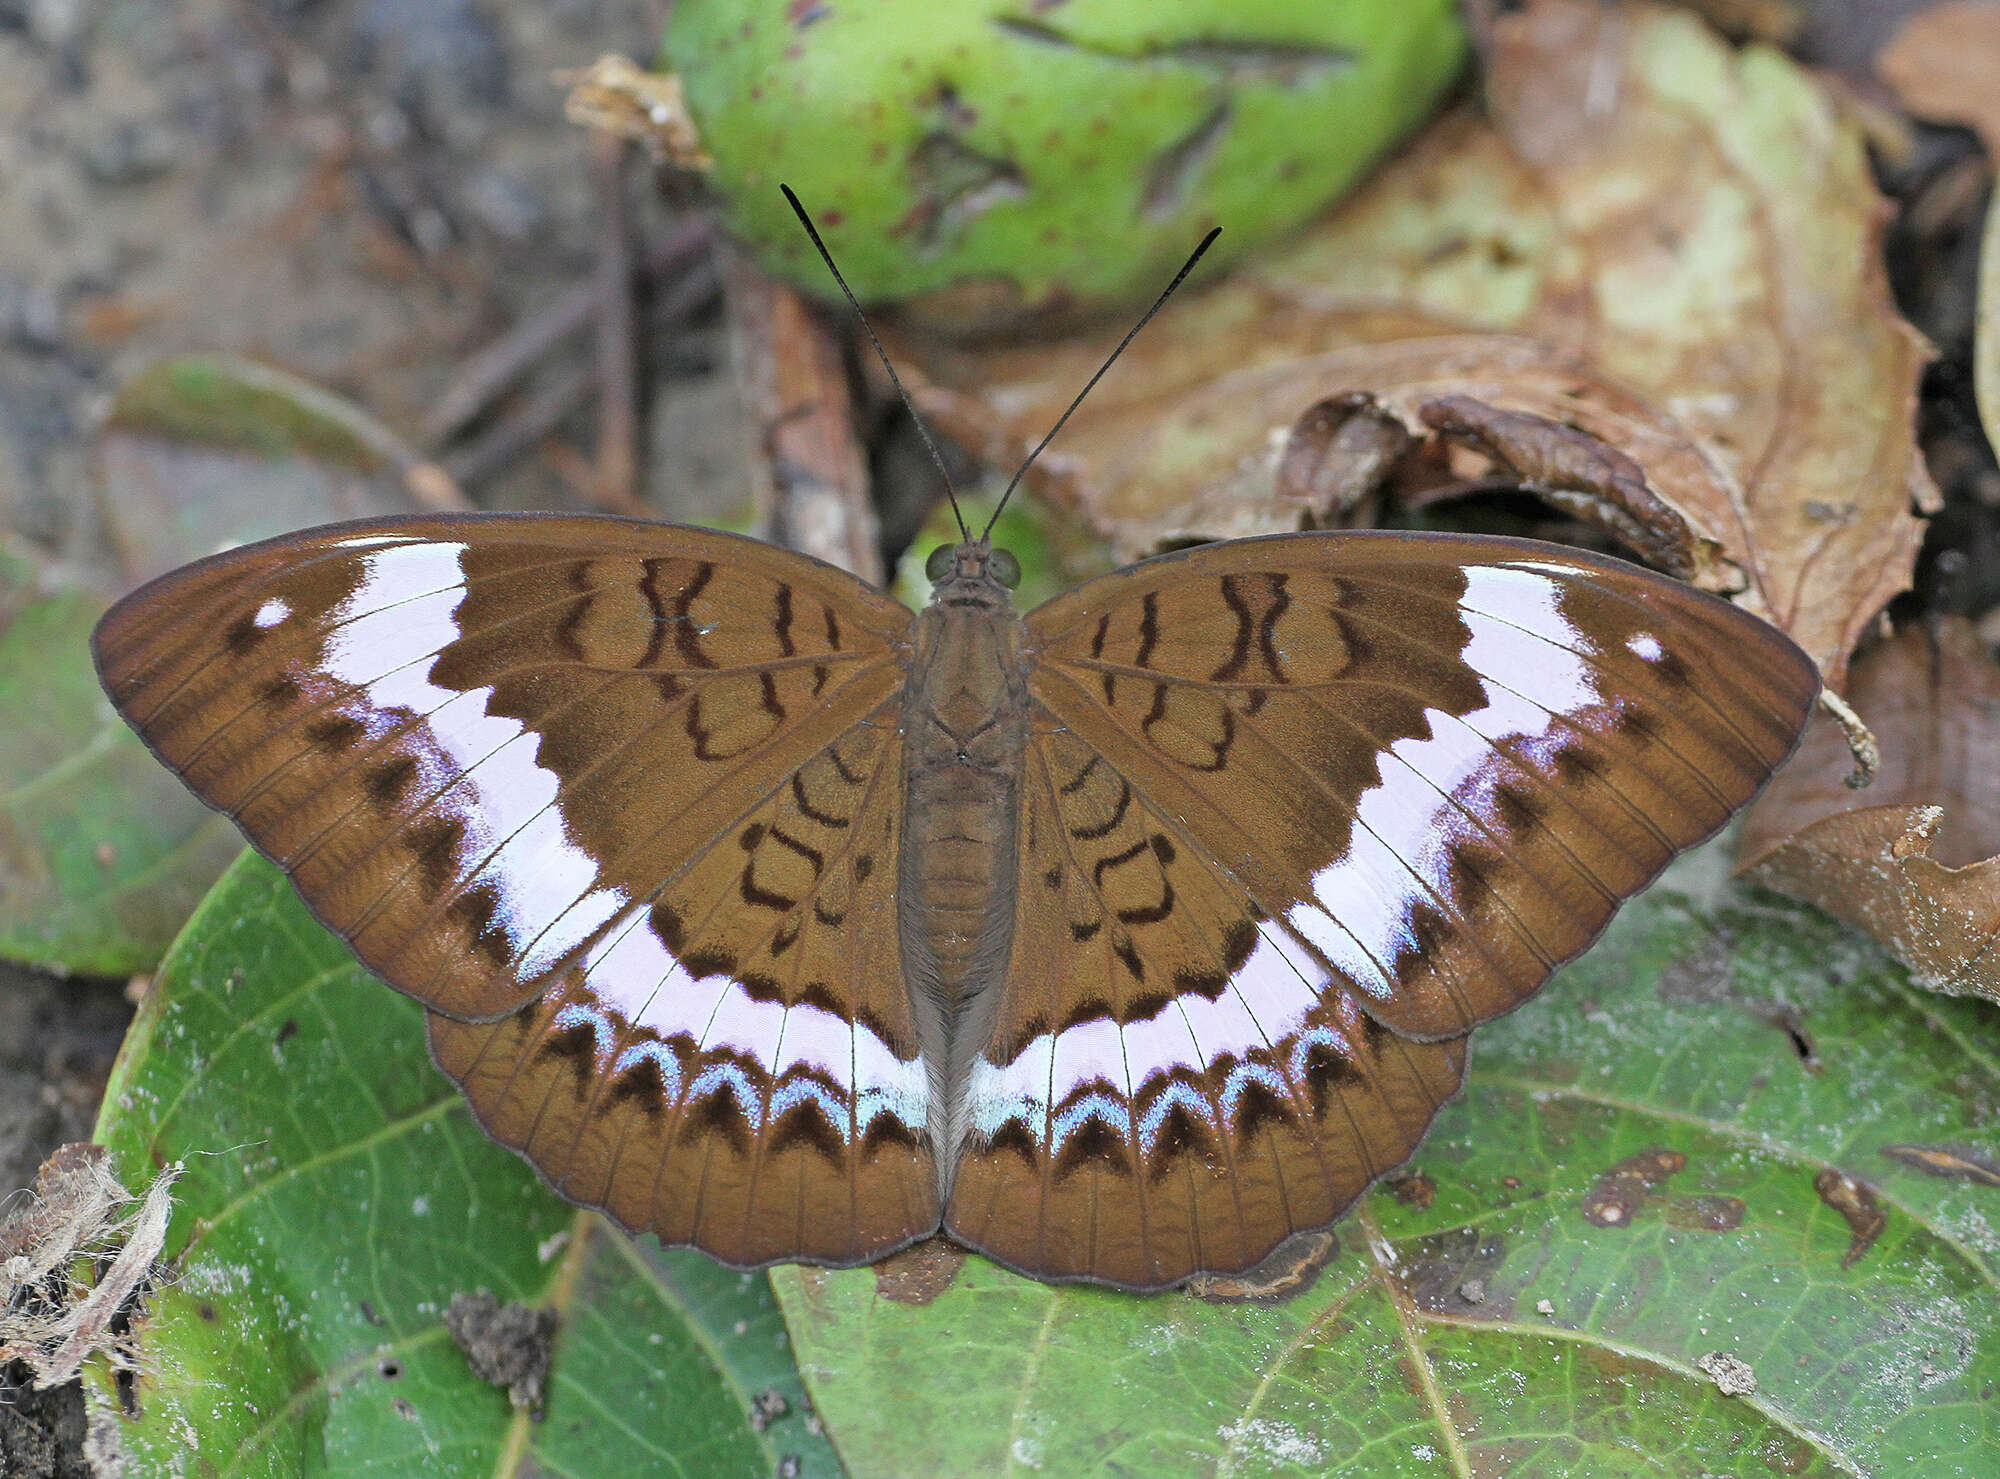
[[971, 565]]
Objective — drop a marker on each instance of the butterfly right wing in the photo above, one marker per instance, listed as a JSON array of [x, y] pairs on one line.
[[616, 801]]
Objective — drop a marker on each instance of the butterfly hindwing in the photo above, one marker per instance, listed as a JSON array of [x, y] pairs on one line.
[[1172, 1084], [613, 789]]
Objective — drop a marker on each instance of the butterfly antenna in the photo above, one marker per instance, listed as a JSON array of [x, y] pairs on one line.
[[1158, 303], [883, 355]]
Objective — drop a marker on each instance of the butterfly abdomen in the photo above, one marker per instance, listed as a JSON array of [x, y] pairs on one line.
[[965, 734]]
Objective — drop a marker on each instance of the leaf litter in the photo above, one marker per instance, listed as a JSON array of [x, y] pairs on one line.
[[51, 1315], [1667, 246], [1914, 859]]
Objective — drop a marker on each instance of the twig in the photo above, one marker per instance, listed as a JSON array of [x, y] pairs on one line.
[[617, 337], [507, 359], [543, 412], [569, 392]]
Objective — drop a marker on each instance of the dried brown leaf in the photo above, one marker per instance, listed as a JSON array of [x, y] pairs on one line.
[[1911, 859], [811, 479], [1943, 62], [1661, 242]]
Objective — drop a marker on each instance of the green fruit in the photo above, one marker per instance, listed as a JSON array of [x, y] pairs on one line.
[[997, 156]]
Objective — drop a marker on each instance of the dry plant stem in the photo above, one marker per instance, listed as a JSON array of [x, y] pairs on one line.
[[128, 1272], [810, 476], [542, 413], [488, 373], [1860, 739], [616, 484], [569, 392]]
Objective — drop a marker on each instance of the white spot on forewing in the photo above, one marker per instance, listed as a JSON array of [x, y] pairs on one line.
[[384, 640], [1528, 655], [1646, 645], [271, 613]]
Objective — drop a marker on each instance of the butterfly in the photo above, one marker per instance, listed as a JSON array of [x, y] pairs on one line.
[[1121, 941]]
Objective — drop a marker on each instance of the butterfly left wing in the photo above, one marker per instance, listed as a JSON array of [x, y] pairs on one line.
[[608, 797], [1395, 780]]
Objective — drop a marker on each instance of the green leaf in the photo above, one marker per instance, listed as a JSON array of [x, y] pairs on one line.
[[337, 1194], [1522, 1308], [102, 852]]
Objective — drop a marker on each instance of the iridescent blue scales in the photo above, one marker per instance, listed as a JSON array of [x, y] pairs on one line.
[[1120, 941]]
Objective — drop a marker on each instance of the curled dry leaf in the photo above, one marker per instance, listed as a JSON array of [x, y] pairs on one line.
[[1912, 859], [615, 95], [1658, 241]]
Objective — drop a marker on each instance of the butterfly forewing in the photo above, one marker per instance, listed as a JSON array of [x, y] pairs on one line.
[[1288, 794], [614, 783]]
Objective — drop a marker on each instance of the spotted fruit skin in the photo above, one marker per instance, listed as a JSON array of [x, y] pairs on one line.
[[1000, 157]]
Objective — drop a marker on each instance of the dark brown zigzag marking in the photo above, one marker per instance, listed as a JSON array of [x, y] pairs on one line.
[[649, 587], [388, 781], [1221, 747], [336, 732], [1154, 913], [852, 777], [783, 625], [1257, 1107], [577, 1044], [832, 628], [687, 640], [824, 818], [1076, 782], [641, 1082], [1129, 958], [1091, 834], [1231, 667], [717, 1114], [1116, 860], [577, 578], [1103, 631], [435, 840], [1267, 629], [785, 935], [1181, 1135], [1149, 629], [1017, 1137], [805, 1123], [1093, 1141]]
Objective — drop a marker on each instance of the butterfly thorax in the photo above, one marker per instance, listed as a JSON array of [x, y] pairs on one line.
[[965, 727]]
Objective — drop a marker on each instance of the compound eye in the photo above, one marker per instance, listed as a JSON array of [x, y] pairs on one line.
[[938, 566], [1006, 569]]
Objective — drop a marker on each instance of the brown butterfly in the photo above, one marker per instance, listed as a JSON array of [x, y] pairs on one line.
[[1120, 941]]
